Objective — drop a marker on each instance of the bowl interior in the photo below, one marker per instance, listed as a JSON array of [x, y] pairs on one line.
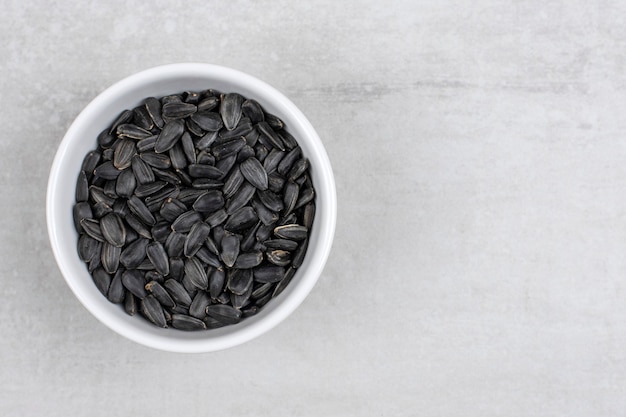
[[81, 138]]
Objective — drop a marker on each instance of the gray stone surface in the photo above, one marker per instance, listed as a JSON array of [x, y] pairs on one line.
[[479, 261]]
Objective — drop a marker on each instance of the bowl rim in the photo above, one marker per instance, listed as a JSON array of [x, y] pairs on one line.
[[328, 205]]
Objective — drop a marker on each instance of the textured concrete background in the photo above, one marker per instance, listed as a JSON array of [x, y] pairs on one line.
[[479, 262]]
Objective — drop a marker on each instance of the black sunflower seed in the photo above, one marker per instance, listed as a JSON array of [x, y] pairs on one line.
[[153, 106], [196, 273], [241, 198], [273, 159], [110, 257], [142, 119], [102, 280], [107, 171], [204, 171], [261, 290], [239, 281], [241, 219], [138, 207], [177, 267], [113, 229], [284, 244], [288, 161], [90, 162], [233, 182], [266, 216], [222, 150], [160, 231], [306, 196], [291, 231], [92, 228], [217, 218], [130, 304], [299, 167], [208, 121], [230, 249], [216, 282], [309, 214], [178, 110], [88, 247], [177, 156], [156, 160], [157, 255], [290, 197], [248, 260], [224, 313], [248, 242], [134, 282], [270, 200], [298, 256], [133, 254], [185, 221], [150, 188], [208, 103], [171, 208], [240, 301], [278, 257], [117, 292], [123, 154], [82, 188], [267, 273], [101, 209], [253, 171], [178, 292], [204, 255], [195, 239], [125, 184], [272, 136], [199, 304], [153, 311], [143, 172], [188, 323], [168, 137], [175, 244], [230, 109], [206, 141], [147, 144], [132, 131], [81, 211], [209, 202], [243, 128], [160, 293], [252, 109]]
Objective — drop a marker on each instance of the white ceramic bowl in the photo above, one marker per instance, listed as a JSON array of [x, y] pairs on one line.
[[81, 138]]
